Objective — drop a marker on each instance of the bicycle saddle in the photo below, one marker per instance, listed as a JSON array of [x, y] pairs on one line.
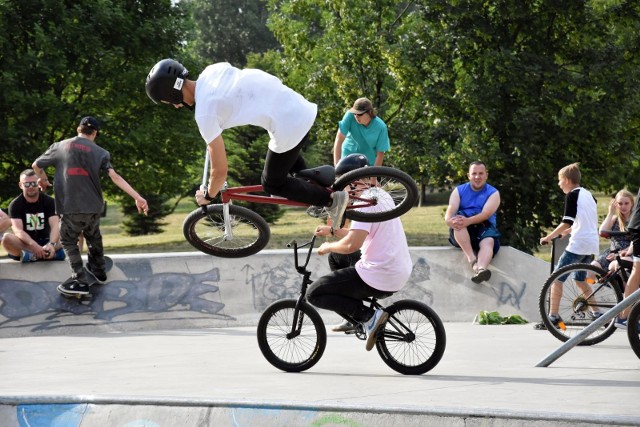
[[323, 175]]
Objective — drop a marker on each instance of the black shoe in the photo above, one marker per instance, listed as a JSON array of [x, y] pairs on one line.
[[481, 275], [557, 322], [101, 275], [74, 288]]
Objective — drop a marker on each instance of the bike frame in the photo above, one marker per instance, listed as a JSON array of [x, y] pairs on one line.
[[243, 193], [296, 326]]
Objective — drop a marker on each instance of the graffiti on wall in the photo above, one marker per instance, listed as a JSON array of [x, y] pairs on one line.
[[142, 293]]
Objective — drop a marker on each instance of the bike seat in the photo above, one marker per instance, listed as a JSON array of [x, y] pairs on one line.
[[323, 175]]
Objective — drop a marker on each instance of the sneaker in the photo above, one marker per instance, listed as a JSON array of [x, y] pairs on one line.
[[27, 256], [595, 315], [337, 208], [621, 323], [101, 275], [59, 255], [557, 321], [74, 288], [87, 276], [372, 325], [345, 327], [316, 211]]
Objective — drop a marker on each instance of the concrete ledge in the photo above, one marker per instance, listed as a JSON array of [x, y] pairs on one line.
[[100, 411], [193, 290]]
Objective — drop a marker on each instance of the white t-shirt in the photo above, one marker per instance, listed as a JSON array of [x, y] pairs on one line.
[[385, 263], [227, 97], [581, 213]]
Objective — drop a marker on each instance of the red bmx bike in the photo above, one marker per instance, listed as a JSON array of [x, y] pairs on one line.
[[230, 231]]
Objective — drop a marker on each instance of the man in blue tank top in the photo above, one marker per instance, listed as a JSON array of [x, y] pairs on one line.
[[471, 217]]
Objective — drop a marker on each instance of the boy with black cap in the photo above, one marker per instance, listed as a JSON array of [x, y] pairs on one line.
[[78, 195]]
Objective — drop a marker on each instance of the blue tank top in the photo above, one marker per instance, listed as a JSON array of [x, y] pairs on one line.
[[472, 202]]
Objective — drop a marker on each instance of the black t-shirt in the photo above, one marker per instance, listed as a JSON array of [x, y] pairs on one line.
[[34, 216]]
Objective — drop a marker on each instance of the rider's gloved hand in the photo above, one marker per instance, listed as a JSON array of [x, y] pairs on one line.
[[202, 197]]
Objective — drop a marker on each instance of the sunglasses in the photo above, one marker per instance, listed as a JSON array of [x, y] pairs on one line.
[[360, 114], [33, 184]]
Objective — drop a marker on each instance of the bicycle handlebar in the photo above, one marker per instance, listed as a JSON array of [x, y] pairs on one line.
[[610, 233], [294, 243]]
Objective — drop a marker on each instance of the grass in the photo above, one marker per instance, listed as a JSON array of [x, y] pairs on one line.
[[424, 226]]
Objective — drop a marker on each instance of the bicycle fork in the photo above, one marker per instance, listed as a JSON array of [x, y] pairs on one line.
[[298, 315]]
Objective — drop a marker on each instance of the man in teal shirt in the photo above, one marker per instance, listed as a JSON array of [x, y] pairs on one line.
[[361, 131]]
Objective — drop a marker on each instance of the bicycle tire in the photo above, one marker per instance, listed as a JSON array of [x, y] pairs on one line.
[[291, 354], [397, 184], [633, 329], [204, 229], [413, 339], [574, 309]]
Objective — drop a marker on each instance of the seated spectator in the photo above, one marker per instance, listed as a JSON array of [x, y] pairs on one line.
[[471, 217], [35, 224], [5, 223], [617, 219]]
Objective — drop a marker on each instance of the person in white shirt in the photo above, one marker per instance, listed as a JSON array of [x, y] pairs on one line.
[[225, 97], [383, 268], [581, 216]]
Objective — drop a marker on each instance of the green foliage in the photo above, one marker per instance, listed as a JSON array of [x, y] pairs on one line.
[[527, 87], [64, 60], [495, 318], [229, 30], [139, 225]]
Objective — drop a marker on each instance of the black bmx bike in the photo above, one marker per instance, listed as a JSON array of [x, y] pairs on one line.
[[292, 336]]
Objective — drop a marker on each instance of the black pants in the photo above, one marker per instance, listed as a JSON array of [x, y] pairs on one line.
[[342, 291], [71, 225], [276, 178]]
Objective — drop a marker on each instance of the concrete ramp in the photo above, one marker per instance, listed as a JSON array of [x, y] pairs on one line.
[[193, 290]]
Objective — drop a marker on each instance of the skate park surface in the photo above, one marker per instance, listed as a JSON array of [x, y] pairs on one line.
[[170, 341]]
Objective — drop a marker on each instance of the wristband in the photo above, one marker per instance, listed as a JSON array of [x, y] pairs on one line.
[[331, 231], [207, 197]]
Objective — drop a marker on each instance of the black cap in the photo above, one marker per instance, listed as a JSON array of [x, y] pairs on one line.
[[90, 122]]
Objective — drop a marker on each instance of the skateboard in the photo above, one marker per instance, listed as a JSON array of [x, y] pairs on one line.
[[93, 280]]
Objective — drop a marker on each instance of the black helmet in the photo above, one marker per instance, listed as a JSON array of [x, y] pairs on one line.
[[351, 162], [165, 80]]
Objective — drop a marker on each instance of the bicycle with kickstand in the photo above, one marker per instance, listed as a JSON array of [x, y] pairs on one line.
[[588, 292], [231, 231], [292, 336]]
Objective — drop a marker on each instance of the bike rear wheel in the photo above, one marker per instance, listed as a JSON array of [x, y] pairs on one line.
[[292, 345], [413, 339], [373, 205], [205, 229], [576, 307], [633, 329]]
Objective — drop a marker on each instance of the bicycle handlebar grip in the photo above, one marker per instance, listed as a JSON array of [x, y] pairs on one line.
[[610, 233]]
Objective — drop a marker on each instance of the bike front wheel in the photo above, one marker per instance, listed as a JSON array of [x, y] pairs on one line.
[[290, 343], [248, 233], [633, 329], [384, 193], [413, 339], [585, 292]]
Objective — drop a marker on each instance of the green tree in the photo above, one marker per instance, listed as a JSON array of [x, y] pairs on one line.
[[229, 30], [337, 51], [529, 87], [63, 60]]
